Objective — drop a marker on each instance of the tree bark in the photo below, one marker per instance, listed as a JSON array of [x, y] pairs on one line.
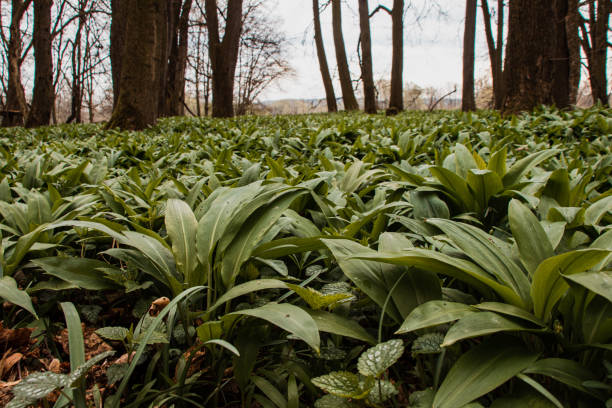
[[138, 101], [367, 75], [43, 94], [223, 55], [495, 52], [468, 101], [348, 95], [15, 95], [174, 96], [537, 61], [396, 100], [77, 69], [117, 42], [595, 45], [330, 96]]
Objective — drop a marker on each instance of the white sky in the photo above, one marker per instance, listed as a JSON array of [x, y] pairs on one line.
[[432, 45]]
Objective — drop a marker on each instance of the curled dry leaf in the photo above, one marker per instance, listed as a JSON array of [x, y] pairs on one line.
[[158, 305]]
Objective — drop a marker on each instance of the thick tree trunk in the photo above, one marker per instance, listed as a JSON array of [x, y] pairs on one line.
[[537, 60], [117, 42], [468, 101], [367, 75], [43, 95], [223, 55], [138, 100], [396, 100], [175, 90], [348, 95], [15, 96], [330, 96]]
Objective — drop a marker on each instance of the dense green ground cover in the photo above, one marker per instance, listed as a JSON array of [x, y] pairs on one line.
[[441, 260]]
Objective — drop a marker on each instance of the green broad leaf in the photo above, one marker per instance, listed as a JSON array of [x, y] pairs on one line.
[[210, 330], [340, 325], [317, 300], [464, 160], [241, 248], [82, 272], [344, 384], [365, 274], [113, 333], [12, 294], [39, 210], [287, 317], [480, 371], [596, 282], [382, 391], [226, 345], [281, 247], [509, 310], [497, 162], [421, 399], [480, 324], [182, 225], [457, 187], [270, 391], [429, 343], [488, 254], [565, 371], [539, 388], [246, 288], [548, 284], [532, 399], [596, 211], [434, 313], [38, 385], [376, 360], [427, 204], [484, 184], [531, 239], [523, 166], [333, 401]]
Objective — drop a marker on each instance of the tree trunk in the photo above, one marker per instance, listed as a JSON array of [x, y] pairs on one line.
[[175, 90], [597, 50], [537, 60], [138, 100], [43, 95], [117, 42], [348, 96], [396, 100], [330, 96], [495, 52], [367, 75], [572, 24], [15, 96], [223, 55], [468, 101], [77, 69]]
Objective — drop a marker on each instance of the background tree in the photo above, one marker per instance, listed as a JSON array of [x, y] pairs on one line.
[[346, 84], [396, 100], [496, 49], [15, 105], [367, 74], [594, 30], [42, 99], [468, 101], [330, 96], [138, 100], [537, 61], [223, 54]]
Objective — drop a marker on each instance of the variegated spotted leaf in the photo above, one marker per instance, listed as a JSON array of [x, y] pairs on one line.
[[39, 385], [317, 300], [344, 384], [333, 401], [383, 390], [428, 344], [113, 333], [376, 360]]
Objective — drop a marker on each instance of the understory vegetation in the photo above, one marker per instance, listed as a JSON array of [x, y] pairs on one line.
[[439, 260]]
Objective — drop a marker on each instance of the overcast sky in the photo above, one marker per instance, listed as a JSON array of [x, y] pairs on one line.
[[432, 45]]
